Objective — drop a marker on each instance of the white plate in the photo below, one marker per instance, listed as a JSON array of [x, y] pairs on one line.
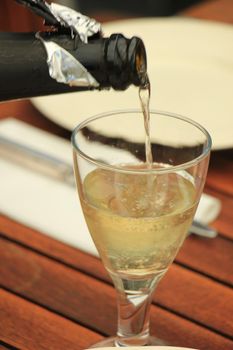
[[190, 64]]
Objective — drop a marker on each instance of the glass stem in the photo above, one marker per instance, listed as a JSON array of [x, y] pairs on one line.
[[134, 298]]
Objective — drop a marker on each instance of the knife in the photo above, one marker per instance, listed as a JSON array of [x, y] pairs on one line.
[[60, 170], [35, 160]]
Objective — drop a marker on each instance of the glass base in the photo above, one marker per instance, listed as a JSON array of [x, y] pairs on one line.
[[115, 342]]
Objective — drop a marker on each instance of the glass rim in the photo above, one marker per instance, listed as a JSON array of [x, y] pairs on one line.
[[169, 169]]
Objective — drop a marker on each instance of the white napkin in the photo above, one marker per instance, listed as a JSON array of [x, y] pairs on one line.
[[50, 206]]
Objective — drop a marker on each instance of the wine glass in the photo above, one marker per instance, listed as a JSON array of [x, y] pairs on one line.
[[138, 214]]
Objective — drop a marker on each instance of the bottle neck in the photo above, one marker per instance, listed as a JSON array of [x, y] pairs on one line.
[[125, 61], [114, 62]]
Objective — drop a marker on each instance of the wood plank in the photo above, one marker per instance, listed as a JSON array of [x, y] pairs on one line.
[[194, 298], [214, 256], [3, 17], [28, 326], [220, 175], [25, 20], [70, 293], [25, 111], [49, 246], [215, 10], [53, 285]]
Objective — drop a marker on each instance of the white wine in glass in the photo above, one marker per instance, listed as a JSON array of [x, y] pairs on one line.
[[138, 216]]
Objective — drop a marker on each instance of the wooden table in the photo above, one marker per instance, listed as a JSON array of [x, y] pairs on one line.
[[53, 296]]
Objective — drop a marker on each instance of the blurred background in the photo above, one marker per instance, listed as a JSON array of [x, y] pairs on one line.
[[132, 7], [15, 17]]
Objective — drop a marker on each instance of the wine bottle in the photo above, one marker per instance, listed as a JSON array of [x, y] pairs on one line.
[[115, 62]]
